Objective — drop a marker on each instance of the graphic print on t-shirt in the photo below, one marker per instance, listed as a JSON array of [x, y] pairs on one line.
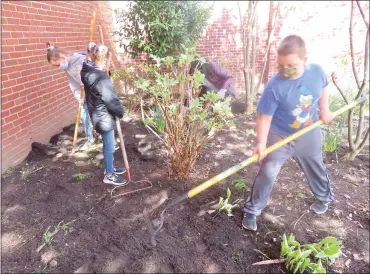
[[302, 112]]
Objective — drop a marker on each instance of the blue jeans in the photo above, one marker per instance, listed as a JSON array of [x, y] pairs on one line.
[[108, 150], [86, 121]]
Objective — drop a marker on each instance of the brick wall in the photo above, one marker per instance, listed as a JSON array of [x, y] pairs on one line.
[[36, 101]]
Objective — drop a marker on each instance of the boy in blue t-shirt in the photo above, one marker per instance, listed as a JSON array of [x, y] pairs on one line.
[[289, 103]]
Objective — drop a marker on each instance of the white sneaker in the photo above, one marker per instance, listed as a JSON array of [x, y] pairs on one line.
[[114, 179]]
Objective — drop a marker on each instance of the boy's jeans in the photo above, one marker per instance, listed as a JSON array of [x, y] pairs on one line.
[[86, 121], [108, 150], [307, 150]]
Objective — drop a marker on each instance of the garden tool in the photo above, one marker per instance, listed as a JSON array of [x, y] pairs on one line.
[[205, 185], [119, 130], [91, 31]]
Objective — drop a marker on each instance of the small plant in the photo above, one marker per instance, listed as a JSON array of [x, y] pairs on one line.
[[298, 257], [81, 177], [225, 206], [9, 171], [24, 173], [332, 137], [48, 236], [156, 120], [65, 227], [240, 184]]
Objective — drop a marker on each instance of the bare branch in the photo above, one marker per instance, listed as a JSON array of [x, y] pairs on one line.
[[271, 34], [253, 61], [362, 14], [360, 125], [363, 143], [350, 130], [366, 65], [334, 78], [351, 44]]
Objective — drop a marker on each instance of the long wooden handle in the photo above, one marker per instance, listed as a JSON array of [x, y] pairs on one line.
[[78, 118], [91, 32], [123, 148]]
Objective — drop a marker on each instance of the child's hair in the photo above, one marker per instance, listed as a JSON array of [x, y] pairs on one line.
[[196, 64], [53, 53], [292, 44], [97, 51]]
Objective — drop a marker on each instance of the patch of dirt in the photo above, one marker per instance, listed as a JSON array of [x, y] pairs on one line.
[[98, 234]]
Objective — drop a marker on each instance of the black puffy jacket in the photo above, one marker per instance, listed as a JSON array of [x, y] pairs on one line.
[[101, 98]]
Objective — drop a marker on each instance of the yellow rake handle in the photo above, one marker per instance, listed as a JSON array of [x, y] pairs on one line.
[[205, 185]]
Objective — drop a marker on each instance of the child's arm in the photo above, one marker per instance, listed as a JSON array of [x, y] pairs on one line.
[[110, 98], [325, 114], [262, 129], [75, 88]]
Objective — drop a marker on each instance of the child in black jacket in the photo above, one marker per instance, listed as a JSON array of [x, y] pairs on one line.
[[103, 105]]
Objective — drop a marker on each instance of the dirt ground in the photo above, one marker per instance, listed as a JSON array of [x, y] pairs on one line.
[[100, 234]]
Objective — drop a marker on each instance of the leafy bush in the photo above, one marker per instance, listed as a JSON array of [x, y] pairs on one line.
[[158, 27], [298, 256], [186, 129], [124, 79]]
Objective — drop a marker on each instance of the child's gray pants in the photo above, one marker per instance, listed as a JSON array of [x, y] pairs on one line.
[[307, 150]]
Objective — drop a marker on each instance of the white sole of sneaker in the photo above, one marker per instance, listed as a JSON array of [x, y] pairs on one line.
[[114, 183], [249, 229]]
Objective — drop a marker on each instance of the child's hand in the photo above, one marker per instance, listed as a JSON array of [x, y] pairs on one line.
[[258, 150], [326, 117]]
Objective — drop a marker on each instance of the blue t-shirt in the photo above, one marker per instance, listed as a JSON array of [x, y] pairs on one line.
[[293, 103]]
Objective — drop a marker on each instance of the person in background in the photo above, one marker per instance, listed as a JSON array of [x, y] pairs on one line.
[[289, 103], [71, 63], [103, 106], [217, 79]]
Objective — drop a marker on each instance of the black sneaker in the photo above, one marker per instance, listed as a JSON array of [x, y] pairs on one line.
[[89, 145], [117, 171], [249, 222], [114, 179], [319, 207]]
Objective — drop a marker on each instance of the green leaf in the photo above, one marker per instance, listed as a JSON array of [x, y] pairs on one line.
[[321, 255], [328, 240], [294, 243], [331, 251], [298, 265], [285, 249], [228, 193], [291, 238], [311, 247], [304, 265], [305, 254]]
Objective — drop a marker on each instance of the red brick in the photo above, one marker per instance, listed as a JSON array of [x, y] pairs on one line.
[[12, 96], [11, 118], [14, 75], [11, 62], [8, 7], [22, 9], [7, 49]]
